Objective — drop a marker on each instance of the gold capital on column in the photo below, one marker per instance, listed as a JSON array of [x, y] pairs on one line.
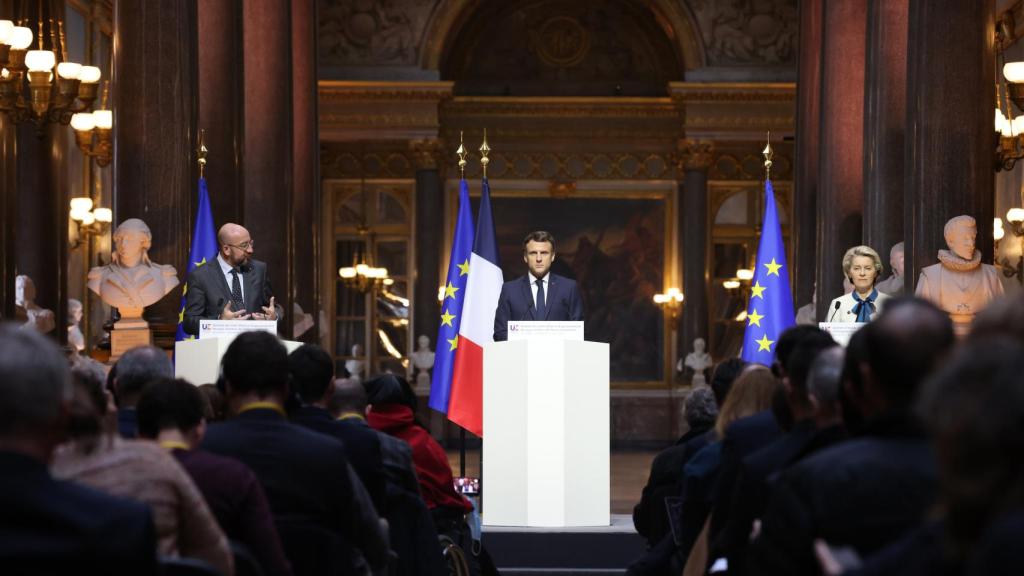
[[426, 153], [695, 154]]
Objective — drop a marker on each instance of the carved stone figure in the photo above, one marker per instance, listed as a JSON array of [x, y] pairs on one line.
[[807, 314], [423, 360], [960, 284], [356, 365], [303, 321], [31, 315], [699, 361], [131, 281], [893, 285], [76, 340]]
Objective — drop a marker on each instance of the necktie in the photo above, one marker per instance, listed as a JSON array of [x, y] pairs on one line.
[[236, 291], [541, 307], [864, 307]]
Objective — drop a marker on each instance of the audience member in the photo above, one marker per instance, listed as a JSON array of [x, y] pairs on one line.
[[96, 456], [866, 492], [823, 384], [722, 377], [50, 526], [1003, 316], [172, 413], [214, 406], [312, 376], [136, 368], [320, 507]]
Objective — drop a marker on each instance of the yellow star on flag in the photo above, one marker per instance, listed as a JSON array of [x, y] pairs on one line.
[[181, 316], [755, 318], [184, 290], [198, 264], [446, 319], [773, 268], [454, 343], [764, 344], [463, 268], [757, 291], [449, 291]]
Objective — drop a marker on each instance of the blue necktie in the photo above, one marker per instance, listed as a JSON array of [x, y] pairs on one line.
[[540, 300]]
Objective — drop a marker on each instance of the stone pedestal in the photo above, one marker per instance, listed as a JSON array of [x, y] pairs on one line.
[[129, 333]]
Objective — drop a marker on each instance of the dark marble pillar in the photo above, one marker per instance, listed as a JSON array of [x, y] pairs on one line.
[[885, 109], [429, 222], [304, 225], [805, 191], [841, 142], [8, 215], [220, 109], [154, 156], [267, 140], [949, 141], [695, 159]]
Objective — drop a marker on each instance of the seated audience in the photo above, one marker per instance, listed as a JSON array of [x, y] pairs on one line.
[[51, 526], [868, 491], [129, 376], [312, 376], [320, 507], [97, 456], [171, 412], [214, 405]]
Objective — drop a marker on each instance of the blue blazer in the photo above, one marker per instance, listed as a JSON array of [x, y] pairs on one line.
[[516, 303]]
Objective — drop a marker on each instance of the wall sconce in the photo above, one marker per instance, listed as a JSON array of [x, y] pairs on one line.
[[1009, 129], [671, 302], [93, 134], [90, 221], [1015, 218]]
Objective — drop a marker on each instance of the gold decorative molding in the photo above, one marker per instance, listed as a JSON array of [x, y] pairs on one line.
[[351, 110], [695, 155], [426, 153], [704, 92]]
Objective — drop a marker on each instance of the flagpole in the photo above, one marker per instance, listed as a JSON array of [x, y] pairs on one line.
[[484, 161], [202, 152], [768, 154], [461, 153]]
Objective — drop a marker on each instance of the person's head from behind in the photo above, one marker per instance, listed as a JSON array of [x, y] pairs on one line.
[[904, 346], [92, 406], [35, 389], [389, 389], [255, 369], [539, 252], [174, 409], [723, 376], [751, 393], [823, 381], [312, 372], [787, 343], [1002, 317], [137, 368], [348, 398], [974, 410], [700, 409], [214, 402], [794, 382]]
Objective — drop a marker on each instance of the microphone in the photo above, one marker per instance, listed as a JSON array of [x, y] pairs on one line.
[[834, 312]]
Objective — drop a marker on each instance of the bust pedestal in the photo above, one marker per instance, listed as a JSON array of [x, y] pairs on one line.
[[130, 331]]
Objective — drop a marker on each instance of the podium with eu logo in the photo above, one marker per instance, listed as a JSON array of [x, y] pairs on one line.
[[198, 360], [546, 428]]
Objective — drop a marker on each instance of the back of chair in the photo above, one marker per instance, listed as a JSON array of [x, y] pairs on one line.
[[313, 550], [186, 567]]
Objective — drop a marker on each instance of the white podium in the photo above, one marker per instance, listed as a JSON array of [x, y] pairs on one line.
[[546, 433], [198, 361]]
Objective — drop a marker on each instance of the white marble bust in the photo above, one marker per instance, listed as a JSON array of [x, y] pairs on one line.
[[698, 361], [131, 281], [76, 340], [423, 360], [960, 284], [33, 316], [356, 365]]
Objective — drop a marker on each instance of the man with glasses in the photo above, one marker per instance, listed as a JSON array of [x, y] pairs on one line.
[[232, 287]]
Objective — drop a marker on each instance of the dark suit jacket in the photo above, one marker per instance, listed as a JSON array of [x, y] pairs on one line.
[[516, 303], [208, 293], [361, 445], [50, 526], [305, 476]]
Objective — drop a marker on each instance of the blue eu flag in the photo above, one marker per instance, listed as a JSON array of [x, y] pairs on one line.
[[451, 304], [770, 310], [204, 249]]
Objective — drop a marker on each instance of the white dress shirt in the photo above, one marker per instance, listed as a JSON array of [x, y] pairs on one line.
[[226, 270], [533, 289]]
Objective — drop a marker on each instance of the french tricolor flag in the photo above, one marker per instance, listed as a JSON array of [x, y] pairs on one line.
[[483, 287]]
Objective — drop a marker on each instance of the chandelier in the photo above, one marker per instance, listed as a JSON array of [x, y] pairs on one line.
[[42, 86]]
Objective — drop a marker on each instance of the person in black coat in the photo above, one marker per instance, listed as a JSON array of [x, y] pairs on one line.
[[867, 492], [50, 526]]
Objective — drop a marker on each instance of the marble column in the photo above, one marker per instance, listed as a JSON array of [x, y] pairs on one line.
[[695, 159], [841, 142], [429, 223], [805, 190], [949, 141], [155, 172], [885, 111], [8, 215]]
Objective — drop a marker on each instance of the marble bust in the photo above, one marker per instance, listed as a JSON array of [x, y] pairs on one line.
[[32, 316], [960, 284], [893, 285], [131, 281], [698, 361], [423, 360], [355, 365], [76, 340]]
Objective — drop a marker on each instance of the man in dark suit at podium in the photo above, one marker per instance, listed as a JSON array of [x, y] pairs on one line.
[[539, 295]]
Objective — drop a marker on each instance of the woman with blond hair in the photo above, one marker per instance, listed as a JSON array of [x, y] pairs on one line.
[[862, 267]]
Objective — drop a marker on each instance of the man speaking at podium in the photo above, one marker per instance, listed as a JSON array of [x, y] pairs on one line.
[[539, 295], [232, 287]]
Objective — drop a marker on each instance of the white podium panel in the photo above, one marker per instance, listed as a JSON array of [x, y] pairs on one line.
[[546, 434], [841, 332], [198, 361]]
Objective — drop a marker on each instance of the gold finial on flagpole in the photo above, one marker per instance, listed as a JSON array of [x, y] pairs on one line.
[[768, 157], [461, 153], [202, 152], [484, 151]]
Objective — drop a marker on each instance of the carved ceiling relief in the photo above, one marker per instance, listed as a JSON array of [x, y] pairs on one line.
[[372, 32], [748, 32]]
